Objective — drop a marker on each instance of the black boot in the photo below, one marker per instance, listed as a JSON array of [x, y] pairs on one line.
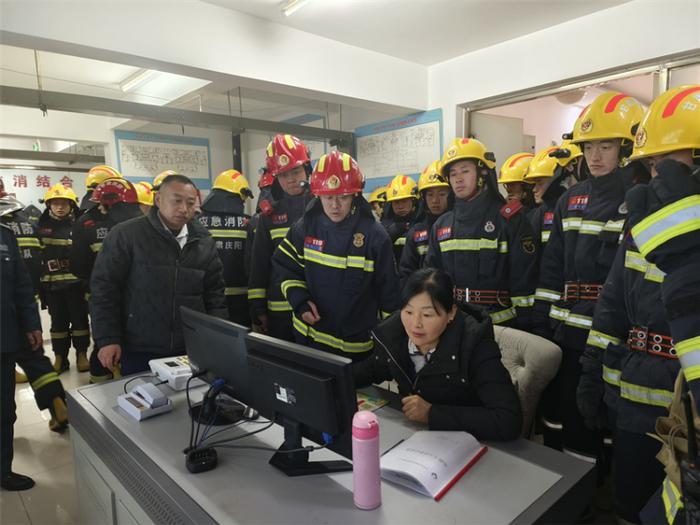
[[15, 482]]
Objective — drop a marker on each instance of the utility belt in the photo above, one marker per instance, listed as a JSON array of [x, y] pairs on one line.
[[577, 291], [641, 339], [56, 265], [469, 295]]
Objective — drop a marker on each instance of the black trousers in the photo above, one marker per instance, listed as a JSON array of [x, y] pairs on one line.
[[39, 371], [69, 319], [279, 325], [238, 310], [8, 409]]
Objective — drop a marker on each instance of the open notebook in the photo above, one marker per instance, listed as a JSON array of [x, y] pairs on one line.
[[430, 462]]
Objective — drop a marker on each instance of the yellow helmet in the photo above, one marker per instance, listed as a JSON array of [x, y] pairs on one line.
[[59, 191], [567, 152], [401, 187], [144, 192], [233, 181], [514, 168], [158, 180], [542, 164], [671, 124], [377, 195], [465, 148], [99, 174], [610, 116], [432, 177]]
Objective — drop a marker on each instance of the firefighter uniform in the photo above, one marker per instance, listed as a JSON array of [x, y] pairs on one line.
[[279, 211], [587, 230], [115, 201], [39, 371], [486, 246], [63, 290], [401, 187], [345, 268], [418, 236], [223, 215]]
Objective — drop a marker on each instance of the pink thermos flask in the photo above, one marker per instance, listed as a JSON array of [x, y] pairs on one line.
[[367, 489]]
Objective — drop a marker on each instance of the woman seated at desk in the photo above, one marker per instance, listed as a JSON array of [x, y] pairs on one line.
[[445, 361]]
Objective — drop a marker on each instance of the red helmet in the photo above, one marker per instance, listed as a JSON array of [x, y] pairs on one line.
[[113, 191], [337, 174], [285, 152]]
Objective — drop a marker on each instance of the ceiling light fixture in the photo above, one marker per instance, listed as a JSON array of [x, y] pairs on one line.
[[133, 81], [289, 7]]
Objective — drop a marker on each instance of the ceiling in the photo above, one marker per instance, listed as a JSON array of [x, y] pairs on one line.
[[422, 31]]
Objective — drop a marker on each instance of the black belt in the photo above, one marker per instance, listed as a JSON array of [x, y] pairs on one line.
[[577, 291], [469, 295], [641, 339]]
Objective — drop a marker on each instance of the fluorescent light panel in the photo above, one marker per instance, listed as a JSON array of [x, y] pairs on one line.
[[292, 6], [133, 81]]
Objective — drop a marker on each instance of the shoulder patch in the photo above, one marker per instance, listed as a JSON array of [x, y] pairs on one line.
[[511, 209], [312, 243], [420, 236], [578, 203], [444, 233], [279, 218], [548, 218], [89, 223]]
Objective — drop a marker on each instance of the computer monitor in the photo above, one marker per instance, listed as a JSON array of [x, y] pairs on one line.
[[217, 348], [309, 393]]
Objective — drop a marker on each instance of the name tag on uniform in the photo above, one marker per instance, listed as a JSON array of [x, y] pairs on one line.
[[444, 233], [578, 202], [312, 243], [279, 219], [548, 218], [420, 236]]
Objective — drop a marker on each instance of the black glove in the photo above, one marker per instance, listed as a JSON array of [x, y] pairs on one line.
[[590, 390]]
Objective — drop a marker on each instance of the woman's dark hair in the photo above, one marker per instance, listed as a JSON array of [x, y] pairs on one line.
[[436, 283]]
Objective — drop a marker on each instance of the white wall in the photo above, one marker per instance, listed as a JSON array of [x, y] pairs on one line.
[[628, 33], [206, 41]]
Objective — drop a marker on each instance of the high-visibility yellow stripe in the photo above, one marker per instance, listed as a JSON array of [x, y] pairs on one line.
[[645, 395], [383, 314], [341, 263], [635, 261], [688, 352], [346, 162], [58, 335], [291, 283], [601, 340], [450, 245], [228, 234], [611, 376], [278, 233], [543, 294], [78, 333], [676, 219], [571, 223], [44, 380], [283, 249], [545, 236], [28, 242], [502, 316], [96, 246], [321, 164], [329, 340], [588, 227], [523, 301], [257, 293], [614, 226], [279, 306], [576, 320], [401, 241], [673, 501], [422, 250], [235, 290], [289, 140], [56, 242], [59, 277]]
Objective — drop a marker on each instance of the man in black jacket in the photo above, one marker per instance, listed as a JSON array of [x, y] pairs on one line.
[[148, 267]]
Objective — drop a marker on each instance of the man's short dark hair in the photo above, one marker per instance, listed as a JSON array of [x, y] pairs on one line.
[[176, 178]]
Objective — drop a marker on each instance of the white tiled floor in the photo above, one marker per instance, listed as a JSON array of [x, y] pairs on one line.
[[45, 456]]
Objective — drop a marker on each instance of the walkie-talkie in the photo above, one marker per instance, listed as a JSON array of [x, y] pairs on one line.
[[690, 467]]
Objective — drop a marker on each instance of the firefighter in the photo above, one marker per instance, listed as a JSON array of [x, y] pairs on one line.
[[95, 176], [586, 232], [43, 379], [287, 160], [400, 211], [64, 291], [435, 196], [630, 349], [376, 200], [551, 174], [512, 176], [224, 216], [485, 245], [144, 192], [336, 266], [117, 202]]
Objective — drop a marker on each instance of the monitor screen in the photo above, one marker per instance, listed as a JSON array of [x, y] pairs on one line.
[[309, 392]]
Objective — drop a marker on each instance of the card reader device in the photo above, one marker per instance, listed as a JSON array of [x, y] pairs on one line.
[[175, 370]]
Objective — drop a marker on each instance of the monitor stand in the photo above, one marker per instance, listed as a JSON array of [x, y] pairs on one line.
[[297, 463]]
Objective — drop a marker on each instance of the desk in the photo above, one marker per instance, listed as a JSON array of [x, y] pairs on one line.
[[131, 472]]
